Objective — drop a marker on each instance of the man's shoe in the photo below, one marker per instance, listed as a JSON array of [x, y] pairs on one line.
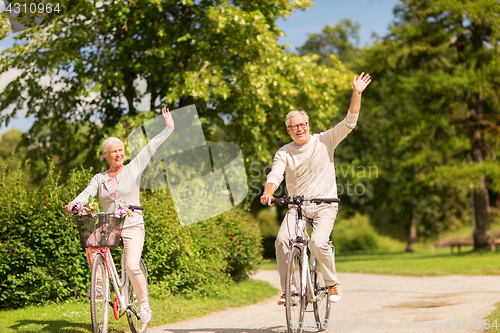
[[146, 314], [335, 292], [282, 300]]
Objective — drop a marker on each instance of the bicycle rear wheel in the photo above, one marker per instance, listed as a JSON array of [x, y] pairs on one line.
[[99, 295], [294, 301], [321, 306], [133, 309]]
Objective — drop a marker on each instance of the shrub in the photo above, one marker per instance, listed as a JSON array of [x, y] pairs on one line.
[[201, 256], [41, 259], [40, 255], [354, 234]]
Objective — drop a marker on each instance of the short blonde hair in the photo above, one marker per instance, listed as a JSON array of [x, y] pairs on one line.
[[294, 113], [108, 142]]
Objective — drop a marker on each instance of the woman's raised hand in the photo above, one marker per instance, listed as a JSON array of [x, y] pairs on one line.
[[169, 121]]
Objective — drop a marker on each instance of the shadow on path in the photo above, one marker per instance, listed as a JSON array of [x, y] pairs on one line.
[[51, 326], [276, 329]]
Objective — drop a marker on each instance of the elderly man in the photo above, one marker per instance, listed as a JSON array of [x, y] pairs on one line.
[[307, 164]]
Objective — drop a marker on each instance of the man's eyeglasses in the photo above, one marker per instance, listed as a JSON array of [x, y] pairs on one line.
[[296, 127]]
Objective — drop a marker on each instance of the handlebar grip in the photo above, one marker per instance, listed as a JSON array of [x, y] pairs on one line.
[[278, 201], [329, 200], [132, 207]]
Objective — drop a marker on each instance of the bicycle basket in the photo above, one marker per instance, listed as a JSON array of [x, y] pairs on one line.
[[103, 230]]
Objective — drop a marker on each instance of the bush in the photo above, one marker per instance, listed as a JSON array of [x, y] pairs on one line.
[[201, 256], [40, 255], [354, 234], [41, 259]]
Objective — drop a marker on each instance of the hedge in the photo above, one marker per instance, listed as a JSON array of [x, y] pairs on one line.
[[41, 259]]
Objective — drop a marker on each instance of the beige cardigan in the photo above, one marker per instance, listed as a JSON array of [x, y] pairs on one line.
[[127, 182]]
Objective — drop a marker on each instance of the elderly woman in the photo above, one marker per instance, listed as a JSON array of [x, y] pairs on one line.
[[120, 183]]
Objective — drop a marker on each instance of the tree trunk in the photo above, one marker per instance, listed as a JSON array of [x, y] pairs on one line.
[[129, 90], [482, 237], [412, 235]]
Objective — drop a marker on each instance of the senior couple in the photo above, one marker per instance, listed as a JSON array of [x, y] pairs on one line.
[[306, 163]]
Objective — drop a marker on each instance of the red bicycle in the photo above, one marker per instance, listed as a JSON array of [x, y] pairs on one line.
[[97, 235]]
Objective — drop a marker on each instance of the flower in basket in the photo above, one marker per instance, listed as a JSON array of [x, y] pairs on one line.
[[122, 210], [82, 210], [94, 208]]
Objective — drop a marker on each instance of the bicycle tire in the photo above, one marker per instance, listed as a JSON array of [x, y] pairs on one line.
[[99, 295], [294, 301], [133, 309], [322, 306]]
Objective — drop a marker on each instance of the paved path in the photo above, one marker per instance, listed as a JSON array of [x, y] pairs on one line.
[[370, 303]]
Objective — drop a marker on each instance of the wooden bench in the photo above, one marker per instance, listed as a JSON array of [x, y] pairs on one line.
[[458, 243]]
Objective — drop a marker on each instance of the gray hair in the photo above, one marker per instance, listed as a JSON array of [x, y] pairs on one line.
[[108, 142], [294, 113]]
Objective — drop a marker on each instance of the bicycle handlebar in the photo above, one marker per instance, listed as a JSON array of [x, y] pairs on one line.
[[299, 200], [131, 207]]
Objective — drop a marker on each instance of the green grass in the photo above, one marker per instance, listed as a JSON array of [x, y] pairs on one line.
[[74, 317], [269, 264], [494, 320], [424, 262]]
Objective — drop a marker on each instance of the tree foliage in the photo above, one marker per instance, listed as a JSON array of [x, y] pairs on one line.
[[434, 115], [430, 120], [340, 40], [12, 152], [94, 63], [451, 50]]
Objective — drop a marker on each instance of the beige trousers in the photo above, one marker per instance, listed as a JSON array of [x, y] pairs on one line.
[[322, 218], [133, 242]]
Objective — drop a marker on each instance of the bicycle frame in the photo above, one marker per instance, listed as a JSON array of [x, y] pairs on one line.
[[300, 242], [112, 273]]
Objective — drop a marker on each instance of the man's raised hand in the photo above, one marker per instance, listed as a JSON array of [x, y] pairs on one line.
[[361, 83]]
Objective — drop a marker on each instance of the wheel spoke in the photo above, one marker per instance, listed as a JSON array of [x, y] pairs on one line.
[[322, 305], [294, 301], [133, 309], [99, 295]]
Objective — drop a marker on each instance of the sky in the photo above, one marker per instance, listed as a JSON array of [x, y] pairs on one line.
[[372, 15]]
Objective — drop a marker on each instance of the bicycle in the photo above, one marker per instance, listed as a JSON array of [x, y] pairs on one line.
[[304, 283], [99, 238]]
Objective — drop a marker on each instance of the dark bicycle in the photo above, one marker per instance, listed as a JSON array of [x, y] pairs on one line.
[[304, 282]]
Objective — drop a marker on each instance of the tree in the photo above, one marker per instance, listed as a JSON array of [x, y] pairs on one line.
[[12, 153], [454, 51], [434, 113], [340, 40], [99, 59]]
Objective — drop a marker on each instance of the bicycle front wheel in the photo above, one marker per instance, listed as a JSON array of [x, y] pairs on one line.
[[133, 309], [322, 305], [294, 298], [99, 295]]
